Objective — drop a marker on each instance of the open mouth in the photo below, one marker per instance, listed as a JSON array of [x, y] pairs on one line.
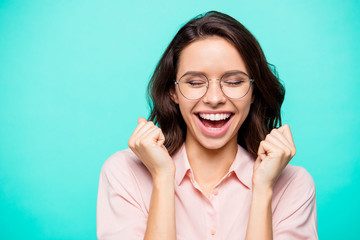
[[214, 122]]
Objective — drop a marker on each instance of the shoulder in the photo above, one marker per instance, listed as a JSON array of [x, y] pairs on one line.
[[124, 188], [125, 167], [294, 189], [294, 205], [120, 160], [295, 175]]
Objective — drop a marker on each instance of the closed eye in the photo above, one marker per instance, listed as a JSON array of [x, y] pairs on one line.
[[234, 83], [196, 84]]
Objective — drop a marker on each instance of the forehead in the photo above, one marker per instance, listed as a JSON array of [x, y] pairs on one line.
[[212, 56]]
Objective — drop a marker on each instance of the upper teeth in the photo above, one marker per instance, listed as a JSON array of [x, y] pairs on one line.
[[215, 117]]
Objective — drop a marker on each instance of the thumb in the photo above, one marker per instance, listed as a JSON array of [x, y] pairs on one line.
[[161, 138], [257, 163]]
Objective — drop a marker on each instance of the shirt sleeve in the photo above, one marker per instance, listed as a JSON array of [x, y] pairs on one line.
[[119, 211], [295, 216]]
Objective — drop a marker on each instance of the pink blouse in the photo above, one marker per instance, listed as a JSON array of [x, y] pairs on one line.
[[125, 190]]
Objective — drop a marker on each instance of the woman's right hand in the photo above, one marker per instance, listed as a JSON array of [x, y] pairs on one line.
[[147, 142]]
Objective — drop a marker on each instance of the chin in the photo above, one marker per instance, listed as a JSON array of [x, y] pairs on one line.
[[214, 144]]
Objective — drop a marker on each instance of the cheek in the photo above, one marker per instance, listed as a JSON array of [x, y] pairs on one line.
[[247, 108], [244, 109], [185, 110]]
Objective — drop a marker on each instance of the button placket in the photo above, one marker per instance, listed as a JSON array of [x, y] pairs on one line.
[[212, 223], [214, 220]]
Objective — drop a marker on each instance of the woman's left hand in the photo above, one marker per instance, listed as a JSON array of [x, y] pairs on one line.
[[274, 153]]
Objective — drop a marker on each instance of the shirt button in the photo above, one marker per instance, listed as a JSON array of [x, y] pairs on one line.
[[215, 192], [213, 231]]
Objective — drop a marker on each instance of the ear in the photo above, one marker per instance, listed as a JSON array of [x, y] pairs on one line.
[[252, 98], [173, 95]]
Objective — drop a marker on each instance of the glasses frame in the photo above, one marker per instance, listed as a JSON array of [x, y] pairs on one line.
[[214, 79]]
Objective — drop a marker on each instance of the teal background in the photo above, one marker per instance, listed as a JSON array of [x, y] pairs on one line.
[[72, 85]]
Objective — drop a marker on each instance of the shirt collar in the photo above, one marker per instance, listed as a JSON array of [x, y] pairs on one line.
[[242, 166], [181, 163]]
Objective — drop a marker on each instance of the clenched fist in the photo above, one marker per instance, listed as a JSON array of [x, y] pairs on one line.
[[274, 153], [147, 142]]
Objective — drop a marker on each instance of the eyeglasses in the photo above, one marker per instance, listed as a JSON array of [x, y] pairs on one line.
[[194, 85]]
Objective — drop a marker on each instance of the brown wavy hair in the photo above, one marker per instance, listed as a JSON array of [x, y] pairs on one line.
[[268, 92]]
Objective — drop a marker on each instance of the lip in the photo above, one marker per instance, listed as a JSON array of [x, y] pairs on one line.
[[214, 133], [213, 112]]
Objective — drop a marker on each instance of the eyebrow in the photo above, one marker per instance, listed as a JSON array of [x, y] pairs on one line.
[[201, 73]]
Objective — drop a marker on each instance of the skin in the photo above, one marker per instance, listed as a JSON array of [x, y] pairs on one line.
[[210, 157]]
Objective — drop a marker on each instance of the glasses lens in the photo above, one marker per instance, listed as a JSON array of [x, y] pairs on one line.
[[235, 85], [193, 86]]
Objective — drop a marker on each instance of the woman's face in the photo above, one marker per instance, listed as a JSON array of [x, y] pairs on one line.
[[212, 121]]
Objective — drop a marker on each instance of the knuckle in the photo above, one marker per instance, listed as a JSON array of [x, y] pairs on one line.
[[137, 143], [268, 137], [274, 130], [130, 143], [288, 152]]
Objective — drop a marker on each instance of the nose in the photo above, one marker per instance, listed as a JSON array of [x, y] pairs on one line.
[[214, 95]]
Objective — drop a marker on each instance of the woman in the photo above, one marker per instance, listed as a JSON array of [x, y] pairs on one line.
[[216, 166]]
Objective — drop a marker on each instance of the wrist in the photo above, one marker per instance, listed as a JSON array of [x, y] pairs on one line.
[[163, 171], [164, 178], [262, 191]]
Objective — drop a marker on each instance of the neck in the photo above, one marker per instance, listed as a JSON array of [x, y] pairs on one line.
[[210, 165]]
